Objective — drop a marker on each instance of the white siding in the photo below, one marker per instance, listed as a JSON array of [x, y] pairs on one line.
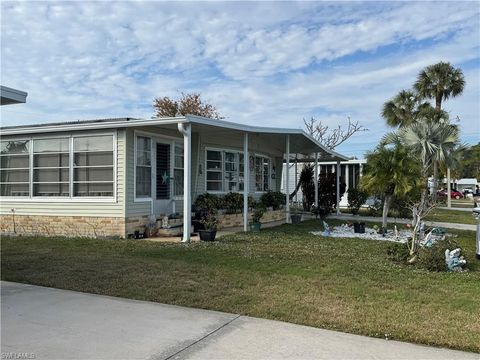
[[67, 207]]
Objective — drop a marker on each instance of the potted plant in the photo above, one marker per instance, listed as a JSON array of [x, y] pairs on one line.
[[296, 215], [356, 198], [256, 216], [209, 223]]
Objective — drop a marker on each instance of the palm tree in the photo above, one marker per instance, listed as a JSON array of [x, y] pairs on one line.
[[401, 110], [431, 142], [391, 171], [440, 82]]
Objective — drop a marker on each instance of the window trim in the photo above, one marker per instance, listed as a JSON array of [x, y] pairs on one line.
[[70, 198], [146, 198], [246, 163]]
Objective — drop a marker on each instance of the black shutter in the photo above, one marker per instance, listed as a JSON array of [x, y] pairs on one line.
[[163, 171]]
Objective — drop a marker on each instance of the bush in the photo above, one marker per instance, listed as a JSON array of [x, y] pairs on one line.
[[433, 258], [274, 199], [233, 202], [356, 198], [398, 252], [258, 213], [205, 202]]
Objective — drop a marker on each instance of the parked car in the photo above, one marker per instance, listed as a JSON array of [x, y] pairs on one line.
[[468, 193], [454, 194]]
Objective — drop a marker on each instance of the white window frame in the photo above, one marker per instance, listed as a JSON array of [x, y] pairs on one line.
[[246, 163], [146, 198], [71, 198], [222, 171], [174, 144], [255, 155], [155, 137], [30, 171]]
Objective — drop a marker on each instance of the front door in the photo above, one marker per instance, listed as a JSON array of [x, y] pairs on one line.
[[163, 183]]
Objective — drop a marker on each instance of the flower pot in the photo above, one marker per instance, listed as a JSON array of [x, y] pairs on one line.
[[296, 218], [255, 226], [359, 228], [207, 235]]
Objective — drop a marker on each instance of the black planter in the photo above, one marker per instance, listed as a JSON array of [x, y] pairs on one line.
[[207, 235], [296, 218], [359, 228]]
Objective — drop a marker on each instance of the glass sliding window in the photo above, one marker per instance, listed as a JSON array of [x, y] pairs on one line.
[[93, 162], [15, 168], [214, 171], [178, 170], [258, 173], [231, 171], [51, 164], [241, 172], [143, 180], [266, 174], [262, 173]]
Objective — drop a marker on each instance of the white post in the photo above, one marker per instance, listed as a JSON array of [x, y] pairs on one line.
[[449, 190], [296, 179], [186, 130], [360, 172], [287, 178], [347, 177], [338, 187], [316, 181], [246, 181]]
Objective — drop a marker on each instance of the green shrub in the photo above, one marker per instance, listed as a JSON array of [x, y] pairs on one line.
[[356, 198], [208, 201], [433, 258], [258, 213], [274, 199], [233, 202], [398, 252]]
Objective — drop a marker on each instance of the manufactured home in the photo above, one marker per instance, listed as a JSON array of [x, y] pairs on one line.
[[110, 177]]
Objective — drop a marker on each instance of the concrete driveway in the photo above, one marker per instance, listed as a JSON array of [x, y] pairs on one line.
[[46, 323]]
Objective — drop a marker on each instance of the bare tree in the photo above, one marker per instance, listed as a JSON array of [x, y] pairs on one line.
[[332, 138]]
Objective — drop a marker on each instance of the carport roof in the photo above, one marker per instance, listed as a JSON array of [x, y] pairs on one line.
[[300, 141]]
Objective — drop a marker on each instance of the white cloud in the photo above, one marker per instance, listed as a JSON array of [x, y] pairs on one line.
[[257, 62]]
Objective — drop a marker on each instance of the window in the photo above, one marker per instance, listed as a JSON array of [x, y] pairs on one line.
[[178, 170], [51, 167], [262, 173], [15, 168], [93, 166], [214, 170], [241, 172], [143, 180], [73, 166], [231, 171], [226, 171]]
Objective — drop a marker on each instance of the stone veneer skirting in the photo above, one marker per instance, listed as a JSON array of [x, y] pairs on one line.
[[103, 227], [70, 226]]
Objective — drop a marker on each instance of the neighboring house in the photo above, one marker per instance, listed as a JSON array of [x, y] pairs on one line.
[[110, 177], [350, 173], [10, 96]]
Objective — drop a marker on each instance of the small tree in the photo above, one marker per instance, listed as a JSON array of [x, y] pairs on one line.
[[188, 104], [331, 138], [390, 170], [356, 198]]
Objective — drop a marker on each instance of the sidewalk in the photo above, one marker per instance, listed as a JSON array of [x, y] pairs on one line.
[[404, 221], [48, 323]]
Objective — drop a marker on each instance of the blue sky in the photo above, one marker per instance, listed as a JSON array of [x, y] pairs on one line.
[[262, 63]]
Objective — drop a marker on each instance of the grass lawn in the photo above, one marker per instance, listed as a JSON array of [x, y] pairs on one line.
[[283, 273], [452, 216]]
